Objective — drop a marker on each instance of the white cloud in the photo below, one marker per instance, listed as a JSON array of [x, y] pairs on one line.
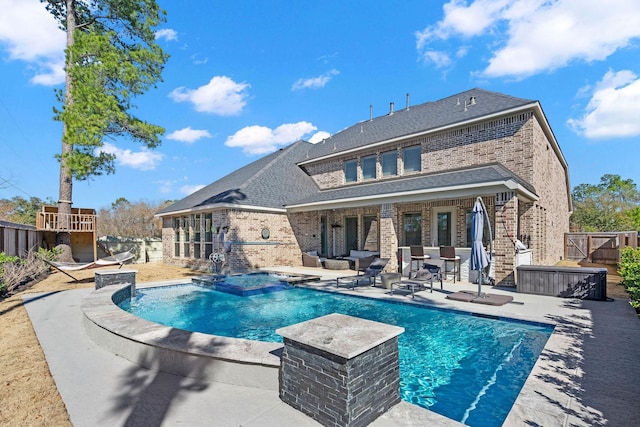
[[439, 59], [29, 33], [612, 109], [541, 35], [460, 19], [189, 189], [188, 135], [319, 137], [143, 160], [221, 96], [315, 82], [261, 139], [167, 34]]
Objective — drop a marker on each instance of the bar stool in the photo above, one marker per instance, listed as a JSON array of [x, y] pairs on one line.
[[417, 255], [448, 254]]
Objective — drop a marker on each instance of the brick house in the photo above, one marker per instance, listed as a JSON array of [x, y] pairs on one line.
[[408, 177]]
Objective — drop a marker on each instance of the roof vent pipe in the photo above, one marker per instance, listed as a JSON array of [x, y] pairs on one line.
[[407, 101], [390, 108], [370, 112], [472, 100]]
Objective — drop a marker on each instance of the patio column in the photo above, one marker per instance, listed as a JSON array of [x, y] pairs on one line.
[[340, 370], [506, 231], [389, 234]]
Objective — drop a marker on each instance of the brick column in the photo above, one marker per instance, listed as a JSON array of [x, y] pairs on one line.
[[506, 230], [389, 234]]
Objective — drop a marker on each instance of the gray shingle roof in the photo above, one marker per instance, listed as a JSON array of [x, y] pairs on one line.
[[271, 182], [418, 118], [478, 175], [275, 180]]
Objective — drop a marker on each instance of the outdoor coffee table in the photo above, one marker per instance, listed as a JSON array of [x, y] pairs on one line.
[[336, 264]]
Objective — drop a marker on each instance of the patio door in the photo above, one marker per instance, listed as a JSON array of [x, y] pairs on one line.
[[350, 234], [443, 227], [370, 233], [323, 235]]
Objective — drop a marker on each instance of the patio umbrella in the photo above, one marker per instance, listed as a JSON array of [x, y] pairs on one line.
[[479, 259]]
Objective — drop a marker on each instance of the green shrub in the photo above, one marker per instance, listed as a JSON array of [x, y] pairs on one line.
[[629, 268]]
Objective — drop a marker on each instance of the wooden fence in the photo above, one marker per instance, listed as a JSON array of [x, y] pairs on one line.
[[17, 239], [598, 248]]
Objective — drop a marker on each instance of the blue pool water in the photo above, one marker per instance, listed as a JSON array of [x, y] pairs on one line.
[[246, 284], [465, 367]]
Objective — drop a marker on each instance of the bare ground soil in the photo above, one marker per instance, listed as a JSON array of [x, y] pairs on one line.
[[28, 394]]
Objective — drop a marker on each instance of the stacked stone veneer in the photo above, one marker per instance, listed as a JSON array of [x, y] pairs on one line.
[[114, 277], [335, 389]]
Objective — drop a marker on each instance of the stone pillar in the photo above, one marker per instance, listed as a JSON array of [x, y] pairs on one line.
[[340, 370], [389, 235], [115, 277]]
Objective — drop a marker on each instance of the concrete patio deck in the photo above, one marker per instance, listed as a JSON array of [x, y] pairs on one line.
[[587, 374]]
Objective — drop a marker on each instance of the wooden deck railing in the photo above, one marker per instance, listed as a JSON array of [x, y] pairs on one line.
[[53, 221]]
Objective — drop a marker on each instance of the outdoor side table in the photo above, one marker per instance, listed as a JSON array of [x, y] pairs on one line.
[[388, 279]]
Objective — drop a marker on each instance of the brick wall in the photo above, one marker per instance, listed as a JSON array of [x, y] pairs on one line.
[[248, 249], [506, 140]]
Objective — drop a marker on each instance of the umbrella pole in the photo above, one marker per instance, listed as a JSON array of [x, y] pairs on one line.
[[481, 275]]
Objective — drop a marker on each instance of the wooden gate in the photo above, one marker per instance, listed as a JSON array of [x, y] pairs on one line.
[[598, 248]]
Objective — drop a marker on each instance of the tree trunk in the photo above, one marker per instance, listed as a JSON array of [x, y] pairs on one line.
[[63, 238]]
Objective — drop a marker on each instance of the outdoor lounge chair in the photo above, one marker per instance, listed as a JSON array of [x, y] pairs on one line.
[[64, 267], [419, 280], [369, 276], [361, 264]]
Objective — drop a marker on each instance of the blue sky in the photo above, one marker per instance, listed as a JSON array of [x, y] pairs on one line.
[[247, 77]]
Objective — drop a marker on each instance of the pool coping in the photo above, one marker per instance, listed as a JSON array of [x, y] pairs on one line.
[[176, 351]]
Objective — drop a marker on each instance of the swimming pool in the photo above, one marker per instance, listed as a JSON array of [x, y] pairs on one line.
[[465, 367]]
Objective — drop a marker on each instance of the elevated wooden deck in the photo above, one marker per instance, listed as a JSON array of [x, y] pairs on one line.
[[80, 220]]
